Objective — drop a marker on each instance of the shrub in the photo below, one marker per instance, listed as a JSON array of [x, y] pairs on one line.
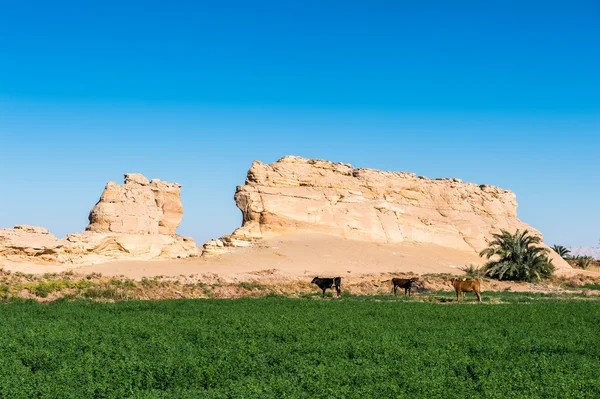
[[4, 290], [45, 288], [472, 271], [127, 283], [518, 257], [250, 285], [584, 261], [106, 292]]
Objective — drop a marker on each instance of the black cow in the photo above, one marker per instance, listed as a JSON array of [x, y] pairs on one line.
[[324, 283], [406, 283]]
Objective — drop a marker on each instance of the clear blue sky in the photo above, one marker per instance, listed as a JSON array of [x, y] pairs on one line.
[[504, 93]]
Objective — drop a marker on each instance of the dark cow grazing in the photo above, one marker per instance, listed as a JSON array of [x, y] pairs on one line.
[[324, 283], [406, 283], [462, 286]]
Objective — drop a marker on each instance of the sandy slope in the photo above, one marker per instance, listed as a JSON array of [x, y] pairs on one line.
[[288, 257], [302, 255]]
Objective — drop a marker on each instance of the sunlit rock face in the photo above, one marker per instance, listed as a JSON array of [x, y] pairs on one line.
[[301, 195], [137, 207]]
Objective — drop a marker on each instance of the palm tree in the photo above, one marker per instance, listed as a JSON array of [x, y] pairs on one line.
[[472, 271], [519, 257], [584, 261], [562, 251]]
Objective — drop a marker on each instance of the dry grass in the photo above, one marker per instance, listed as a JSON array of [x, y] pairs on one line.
[[49, 287]]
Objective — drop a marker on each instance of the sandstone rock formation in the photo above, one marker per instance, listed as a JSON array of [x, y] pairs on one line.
[[25, 241], [136, 220], [89, 247], [307, 195], [138, 207]]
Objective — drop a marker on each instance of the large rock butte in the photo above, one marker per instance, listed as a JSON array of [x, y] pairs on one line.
[[136, 220], [296, 194], [137, 207]]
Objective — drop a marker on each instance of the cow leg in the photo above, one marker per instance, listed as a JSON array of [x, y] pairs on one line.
[[457, 296], [395, 289], [324, 292], [478, 295]]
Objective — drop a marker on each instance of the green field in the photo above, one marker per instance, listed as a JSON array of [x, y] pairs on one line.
[[275, 347]]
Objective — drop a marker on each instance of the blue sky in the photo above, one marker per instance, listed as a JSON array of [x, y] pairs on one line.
[[504, 93]]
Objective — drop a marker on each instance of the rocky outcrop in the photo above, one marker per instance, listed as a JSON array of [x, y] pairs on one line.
[[136, 220], [89, 247], [23, 242], [137, 207], [224, 244], [297, 194], [307, 195]]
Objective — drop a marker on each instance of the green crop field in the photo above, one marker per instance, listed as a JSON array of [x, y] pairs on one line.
[[356, 347]]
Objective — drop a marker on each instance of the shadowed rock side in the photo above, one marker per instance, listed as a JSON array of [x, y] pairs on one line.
[[297, 195], [136, 220]]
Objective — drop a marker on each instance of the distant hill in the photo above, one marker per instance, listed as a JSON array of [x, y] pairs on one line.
[[594, 252]]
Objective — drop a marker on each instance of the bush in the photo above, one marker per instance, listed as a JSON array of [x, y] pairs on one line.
[[473, 271], [250, 285], [4, 290], [584, 261], [106, 292], [45, 288]]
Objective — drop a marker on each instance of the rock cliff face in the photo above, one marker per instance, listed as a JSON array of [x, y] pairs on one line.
[[136, 220], [297, 194], [306, 195]]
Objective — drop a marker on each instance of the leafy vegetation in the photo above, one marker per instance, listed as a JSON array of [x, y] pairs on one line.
[[357, 347], [595, 287], [517, 257], [472, 271], [250, 285], [562, 251], [584, 261], [581, 261]]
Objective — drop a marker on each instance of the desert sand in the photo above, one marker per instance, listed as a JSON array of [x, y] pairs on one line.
[[293, 256]]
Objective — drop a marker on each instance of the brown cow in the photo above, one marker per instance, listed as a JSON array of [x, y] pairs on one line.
[[461, 286], [406, 283]]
